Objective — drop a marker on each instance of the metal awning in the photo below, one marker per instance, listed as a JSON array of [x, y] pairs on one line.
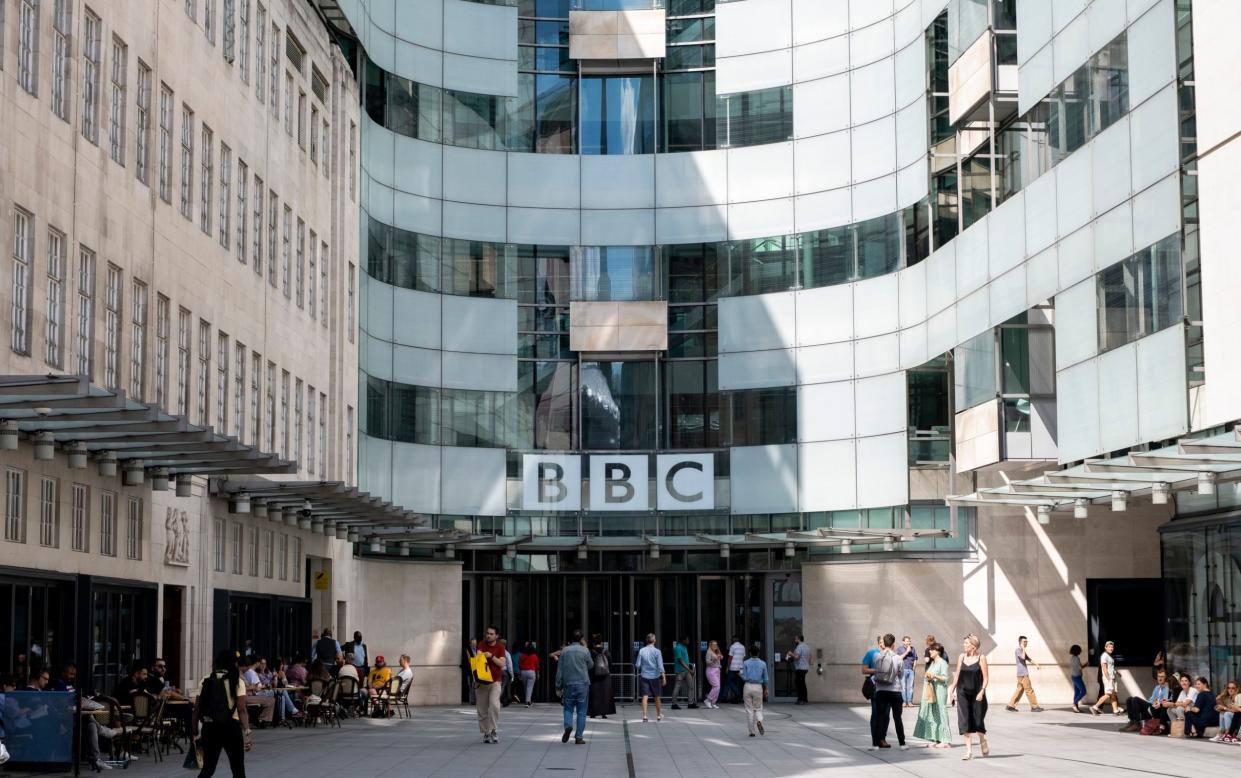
[[88, 421], [1199, 463], [341, 508]]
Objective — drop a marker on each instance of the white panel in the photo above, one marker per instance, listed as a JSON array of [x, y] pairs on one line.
[[1113, 236], [753, 71], [821, 210], [480, 325], [418, 165], [484, 76], [1111, 166], [875, 356], [418, 63], [1156, 139], [823, 162], [875, 306], [377, 198], [1076, 256], [544, 180], [688, 178], [874, 198], [415, 317], [1073, 190], [379, 309], [415, 213], [870, 44], [382, 14], [825, 411], [618, 228], [941, 331], [544, 225], [1152, 52], [1040, 197], [911, 74], [1034, 21], [863, 13], [914, 347], [474, 222], [881, 404], [820, 59], [815, 20], [377, 152], [1042, 277], [911, 134], [755, 25], [757, 369], [763, 478], [417, 366], [884, 479], [479, 371], [474, 481], [761, 172], [761, 219], [1217, 73], [874, 149], [1008, 296], [421, 22], [822, 106], [972, 262], [618, 181], [417, 485], [381, 49], [757, 322], [1070, 49], [909, 26], [480, 30], [912, 184], [1162, 409], [873, 92], [1157, 212], [825, 315], [1077, 411], [1118, 394], [826, 476], [1106, 20], [376, 357], [375, 465], [912, 286], [1006, 227], [822, 364], [973, 314], [474, 175], [1035, 79], [705, 224], [1220, 191], [941, 278], [1135, 8], [1076, 313]]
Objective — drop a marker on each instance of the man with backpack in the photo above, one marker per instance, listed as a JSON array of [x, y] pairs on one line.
[[885, 672], [221, 708]]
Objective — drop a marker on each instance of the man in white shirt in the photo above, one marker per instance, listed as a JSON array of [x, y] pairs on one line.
[[407, 672], [800, 657], [736, 658]]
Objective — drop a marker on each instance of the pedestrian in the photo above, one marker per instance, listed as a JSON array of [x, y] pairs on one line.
[[732, 682], [221, 709], [651, 677], [601, 702], [886, 674], [1228, 705], [506, 679], [932, 724], [800, 657], [1107, 666], [684, 670], [908, 656], [926, 655], [1023, 662], [714, 661], [1075, 673], [868, 668], [754, 692], [969, 693], [529, 666], [470, 650], [488, 692], [573, 681]]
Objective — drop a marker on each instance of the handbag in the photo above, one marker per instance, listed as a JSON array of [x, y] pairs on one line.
[[868, 688], [480, 668], [1150, 727], [191, 757]]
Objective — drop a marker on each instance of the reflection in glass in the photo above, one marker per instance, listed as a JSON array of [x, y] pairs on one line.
[[602, 273], [545, 393], [974, 364], [761, 417], [543, 275], [479, 269], [618, 115], [618, 401], [693, 404], [1140, 295]]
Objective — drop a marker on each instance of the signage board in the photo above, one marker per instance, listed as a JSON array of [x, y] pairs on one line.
[[617, 482]]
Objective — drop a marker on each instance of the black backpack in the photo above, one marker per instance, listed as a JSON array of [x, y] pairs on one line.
[[216, 703]]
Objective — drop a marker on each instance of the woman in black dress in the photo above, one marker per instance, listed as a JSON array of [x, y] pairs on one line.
[[600, 702], [969, 687]]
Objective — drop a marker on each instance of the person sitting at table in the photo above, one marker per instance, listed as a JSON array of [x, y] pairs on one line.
[[132, 684], [266, 703], [273, 680], [68, 679], [157, 683], [318, 672], [94, 730], [295, 673], [377, 680], [346, 669]]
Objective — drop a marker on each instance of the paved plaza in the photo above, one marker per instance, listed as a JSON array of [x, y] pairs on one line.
[[800, 741]]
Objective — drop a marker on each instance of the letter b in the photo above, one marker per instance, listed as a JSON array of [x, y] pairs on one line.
[[555, 482], [617, 485]]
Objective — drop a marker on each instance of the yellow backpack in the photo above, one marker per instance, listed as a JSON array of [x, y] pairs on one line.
[[480, 668]]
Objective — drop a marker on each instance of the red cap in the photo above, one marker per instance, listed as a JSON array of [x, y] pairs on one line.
[[379, 659]]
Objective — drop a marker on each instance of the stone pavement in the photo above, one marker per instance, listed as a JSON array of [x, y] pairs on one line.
[[801, 741]]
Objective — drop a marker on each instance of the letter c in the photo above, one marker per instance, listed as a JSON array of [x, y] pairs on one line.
[[671, 476]]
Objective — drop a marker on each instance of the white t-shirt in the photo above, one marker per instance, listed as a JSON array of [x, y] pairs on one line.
[[802, 654], [1108, 663], [406, 675], [736, 657]]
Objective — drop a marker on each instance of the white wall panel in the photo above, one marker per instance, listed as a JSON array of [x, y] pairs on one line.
[[873, 92], [418, 167], [1040, 199], [757, 369], [473, 481], [1076, 256], [1118, 398], [689, 178], [870, 44], [1073, 190], [757, 322], [377, 152], [475, 176], [883, 478], [416, 484], [475, 222], [826, 476], [418, 63], [379, 309], [618, 181], [1042, 277], [909, 26], [875, 356], [418, 366], [941, 331], [821, 59], [1106, 21], [911, 74], [1034, 21], [415, 213], [1162, 406], [764, 478], [823, 162], [875, 306], [941, 278], [881, 404], [914, 347], [480, 325], [1008, 296], [618, 228], [761, 172], [821, 210], [479, 371], [1156, 138], [1152, 52], [1157, 212], [1113, 236], [911, 134], [912, 184], [1217, 72], [1070, 49], [973, 314], [912, 290], [1111, 177], [703, 224], [874, 149], [375, 357], [1076, 313], [972, 258], [814, 20], [484, 76], [863, 13], [1006, 232], [753, 71], [1077, 410], [874, 198], [821, 364], [822, 106], [374, 465], [760, 219], [1063, 12], [753, 26], [415, 317], [545, 225], [825, 315], [1035, 77], [480, 30], [544, 180], [825, 412]]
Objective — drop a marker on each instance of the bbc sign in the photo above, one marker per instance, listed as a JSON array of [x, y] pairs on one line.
[[617, 482]]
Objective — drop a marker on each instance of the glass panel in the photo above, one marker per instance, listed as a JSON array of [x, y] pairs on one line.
[[618, 115], [1015, 359], [618, 405], [546, 393], [762, 417], [614, 273], [975, 371], [759, 266], [827, 257], [693, 405], [479, 269]]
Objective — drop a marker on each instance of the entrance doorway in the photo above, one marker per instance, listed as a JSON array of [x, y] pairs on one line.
[[170, 629]]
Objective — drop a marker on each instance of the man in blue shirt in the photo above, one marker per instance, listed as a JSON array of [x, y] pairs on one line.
[[685, 675], [651, 676], [754, 676], [1140, 710], [868, 668]]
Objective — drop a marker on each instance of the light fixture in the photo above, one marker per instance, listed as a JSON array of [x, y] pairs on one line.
[[159, 479], [1044, 514], [1081, 508], [450, 551], [133, 475], [376, 546], [304, 522], [107, 464], [306, 506], [240, 503], [342, 532], [258, 509], [354, 536], [404, 546], [316, 526], [654, 551], [1160, 493], [511, 551], [790, 550], [184, 485], [889, 543], [1206, 483], [77, 455], [44, 446], [290, 516], [846, 546], [1120, 500], [329, 528], [582, 551], [8, 435], [725, 551]]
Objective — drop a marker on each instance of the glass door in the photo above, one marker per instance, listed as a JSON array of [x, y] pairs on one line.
[[786, 624]]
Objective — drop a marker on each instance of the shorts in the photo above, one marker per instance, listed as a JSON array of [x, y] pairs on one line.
[[650, 687]]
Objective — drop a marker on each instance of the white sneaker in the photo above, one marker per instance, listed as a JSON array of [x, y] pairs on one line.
[[872, 748], [905, 748]]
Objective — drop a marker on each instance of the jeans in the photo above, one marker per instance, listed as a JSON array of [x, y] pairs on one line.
[[882, 706], [575, 695], [528, 677], [1079, 689], [224, 736], [732, 686], [907, 685]]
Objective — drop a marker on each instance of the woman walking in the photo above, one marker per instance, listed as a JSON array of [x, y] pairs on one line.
[[1075, 672], [528, 664], [932, 722], [599, 700], [713, 661], [969, 688]]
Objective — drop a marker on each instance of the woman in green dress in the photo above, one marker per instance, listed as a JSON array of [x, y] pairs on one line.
[[933, 725]]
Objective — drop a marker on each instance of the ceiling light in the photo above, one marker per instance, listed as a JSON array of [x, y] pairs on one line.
[[8, 435], [240, 503], [354, 536], [1206, 483], [790, 550], [1160, 493], [107, 464], [1120, 500], [582, 551], [404, 546], [133, 475], [258, 509], [184, 485], [846, 546], [159, 479], [1044, 514], [1081, 508], [725, 551], [654, 551], [450, 551], [889, 543], [342, 532], [376, 546], [511, 552]]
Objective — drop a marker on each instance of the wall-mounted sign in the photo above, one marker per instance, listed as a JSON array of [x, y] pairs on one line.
[[618, 482]]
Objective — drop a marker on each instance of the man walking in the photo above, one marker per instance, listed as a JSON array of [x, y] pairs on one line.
[[736, 657], [1023, 678], [754, 674], [800, 657], [487, 696], [885, 671], [651, 676], [573, 679], [684, 670]]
